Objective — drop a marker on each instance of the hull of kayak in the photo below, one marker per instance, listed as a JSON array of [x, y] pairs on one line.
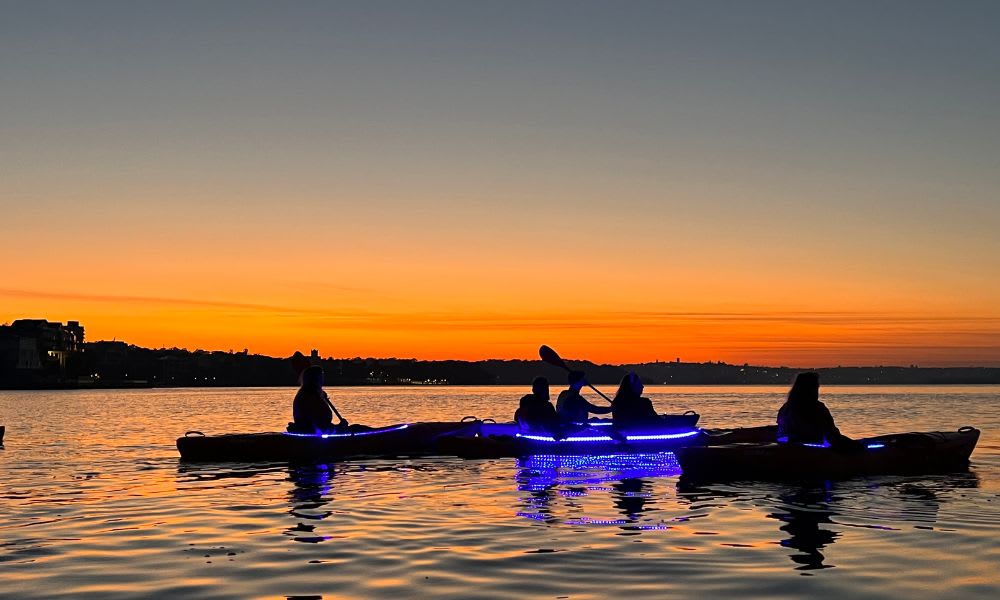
[[506, 440], [904, 453], [413, 439]]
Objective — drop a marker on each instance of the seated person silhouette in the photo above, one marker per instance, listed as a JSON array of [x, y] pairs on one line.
[[312, 410], [574, 408], [629, 410], [536, 413], [803, 419]]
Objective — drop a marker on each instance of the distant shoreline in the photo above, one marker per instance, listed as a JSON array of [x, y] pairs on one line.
[[70, 388], [30, 360]]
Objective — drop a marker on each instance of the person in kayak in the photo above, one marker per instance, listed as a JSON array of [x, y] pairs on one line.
[[574, 408], [629, 409], [536, 413], [312, 410], [803, 419]]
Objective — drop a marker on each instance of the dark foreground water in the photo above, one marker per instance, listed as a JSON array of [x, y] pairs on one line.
[[94, 503]]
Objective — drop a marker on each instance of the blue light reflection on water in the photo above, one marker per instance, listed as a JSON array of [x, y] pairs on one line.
[[649, 464], [544, 476]]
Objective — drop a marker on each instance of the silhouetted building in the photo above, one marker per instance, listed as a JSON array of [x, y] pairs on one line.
[[35, 350], [17, 352]]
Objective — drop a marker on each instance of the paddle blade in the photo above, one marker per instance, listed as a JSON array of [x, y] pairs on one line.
[[550, 356]]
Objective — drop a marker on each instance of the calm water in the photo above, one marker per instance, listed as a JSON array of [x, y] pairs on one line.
[[96, 504]]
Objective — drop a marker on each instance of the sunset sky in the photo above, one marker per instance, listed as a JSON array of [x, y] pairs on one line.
[[796, 183]]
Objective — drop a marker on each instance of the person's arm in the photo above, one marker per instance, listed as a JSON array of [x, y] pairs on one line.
[[597, 410], [829, 427], [648, 408], [825, 420]]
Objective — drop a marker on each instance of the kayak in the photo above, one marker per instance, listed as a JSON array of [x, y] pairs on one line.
[[901, 453], [496, 440], [404, 439], [596, 436]]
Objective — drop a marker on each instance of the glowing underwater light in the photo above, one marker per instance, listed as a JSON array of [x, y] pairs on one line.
[[875, 446], [591, 471], [579, 465], [350, 434]]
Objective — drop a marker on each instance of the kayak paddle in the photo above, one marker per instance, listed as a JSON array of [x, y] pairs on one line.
[[552, 357]]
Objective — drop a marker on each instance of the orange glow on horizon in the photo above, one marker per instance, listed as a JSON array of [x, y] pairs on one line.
[[763, 337], [420, 289]]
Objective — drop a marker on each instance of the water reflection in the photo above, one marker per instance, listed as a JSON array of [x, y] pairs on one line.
[[537, 504], [806, 513], [630, 497], [188, 473], [308, 496], [922, 500], [812, 518], [802, 513], [552, 484]]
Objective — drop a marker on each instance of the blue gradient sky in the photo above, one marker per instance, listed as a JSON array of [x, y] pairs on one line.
[[555, 162]]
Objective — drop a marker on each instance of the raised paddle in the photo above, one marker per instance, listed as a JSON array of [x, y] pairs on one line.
[[552, 357]]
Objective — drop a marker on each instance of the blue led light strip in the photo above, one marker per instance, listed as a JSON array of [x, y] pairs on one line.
[[662, 436], [342, 435], [784, 440], [607, 438], [825, 444]]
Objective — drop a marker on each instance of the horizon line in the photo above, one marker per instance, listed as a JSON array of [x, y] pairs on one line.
[[568, 360]]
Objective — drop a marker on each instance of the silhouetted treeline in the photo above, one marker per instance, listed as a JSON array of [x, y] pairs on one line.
[[116, 364]]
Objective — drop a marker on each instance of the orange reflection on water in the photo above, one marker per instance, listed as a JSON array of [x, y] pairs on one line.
[[101, 502]]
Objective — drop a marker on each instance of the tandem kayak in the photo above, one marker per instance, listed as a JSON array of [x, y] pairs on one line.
[[496, 440], [902, 453], [404, 439]]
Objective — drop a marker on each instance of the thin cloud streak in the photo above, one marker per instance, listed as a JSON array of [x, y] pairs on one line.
[[973, 325], [113, 298]]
